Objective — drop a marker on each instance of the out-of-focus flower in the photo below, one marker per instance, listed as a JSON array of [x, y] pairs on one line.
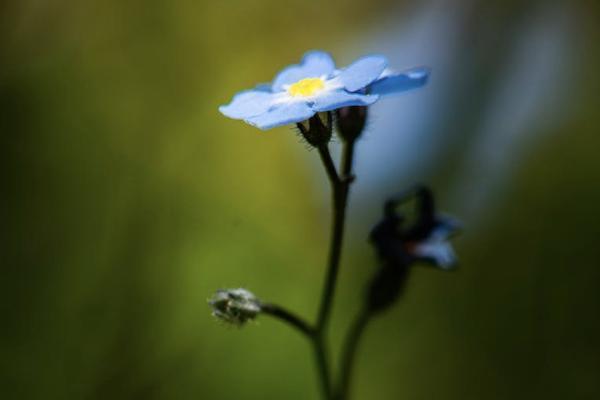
[[235, 306], [315, 85], [426, 240], [435, 248], [399, 247]]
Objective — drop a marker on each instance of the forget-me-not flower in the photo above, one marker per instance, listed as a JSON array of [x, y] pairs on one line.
[[315, 85], [400, 246], [427, 239]]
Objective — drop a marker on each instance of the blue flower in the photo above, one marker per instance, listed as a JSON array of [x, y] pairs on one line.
[[315, 85], [426, 240], [400, 245], [435, 248]]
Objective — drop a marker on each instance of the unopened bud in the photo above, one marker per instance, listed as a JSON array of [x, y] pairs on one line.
[[235, 306], [316, 131], [351, 122]]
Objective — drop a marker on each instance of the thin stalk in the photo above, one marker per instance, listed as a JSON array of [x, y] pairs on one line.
[[289, 318], [329, 166], [347, 161], [349, 353], [309, 331], [322, 366], [340, 187]]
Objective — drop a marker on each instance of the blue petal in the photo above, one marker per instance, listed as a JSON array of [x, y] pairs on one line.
[[248, 104], [436, 248], [400, 82], [282, 114], [362, 72], [340, 98], [441, 254], [445, 227], [263, 87], [314, 64]]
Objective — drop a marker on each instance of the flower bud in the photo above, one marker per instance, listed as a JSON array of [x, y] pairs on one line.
[[351, 122], [386, 287], [235, 306], [317, 132]]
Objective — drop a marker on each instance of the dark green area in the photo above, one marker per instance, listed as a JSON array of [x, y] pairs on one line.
[[127, 199]]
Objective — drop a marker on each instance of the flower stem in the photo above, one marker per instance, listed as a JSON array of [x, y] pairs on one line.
[[347, 160], [322, 365], [329, 166], [310, 332], [349, 353], [340, 187], [288, 317]]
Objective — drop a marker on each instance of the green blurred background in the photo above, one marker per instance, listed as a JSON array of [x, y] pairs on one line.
[[127, 199]]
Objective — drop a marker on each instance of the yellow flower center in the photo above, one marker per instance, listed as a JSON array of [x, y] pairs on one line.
[[306, 87]]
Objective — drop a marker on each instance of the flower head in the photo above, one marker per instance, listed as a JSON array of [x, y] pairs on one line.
[[399, 246], [426, 240], [235, 306], [315, 85]]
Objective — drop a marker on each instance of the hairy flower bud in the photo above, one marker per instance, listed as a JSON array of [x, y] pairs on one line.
[[317, 132], [351, 122], [235, 306]]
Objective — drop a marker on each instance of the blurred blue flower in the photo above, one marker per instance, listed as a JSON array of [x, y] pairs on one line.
[[403, 240], [435, 247], [427, 239], [315, 85]]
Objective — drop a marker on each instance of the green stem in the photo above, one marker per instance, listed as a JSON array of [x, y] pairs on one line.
[[322, 365], [329, 165], [347, 160], [288, 317], [305, 328], [340, 188], [349, 353]]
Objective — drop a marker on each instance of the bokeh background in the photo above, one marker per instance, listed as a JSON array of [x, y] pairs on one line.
[[127, 199]]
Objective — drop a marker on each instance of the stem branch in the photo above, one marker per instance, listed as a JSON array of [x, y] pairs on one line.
[[288, 317], [340, 187], [322, 365], [309, 331], [349, 353]]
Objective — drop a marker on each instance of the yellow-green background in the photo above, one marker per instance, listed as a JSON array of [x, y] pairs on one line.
[[127, 199]]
